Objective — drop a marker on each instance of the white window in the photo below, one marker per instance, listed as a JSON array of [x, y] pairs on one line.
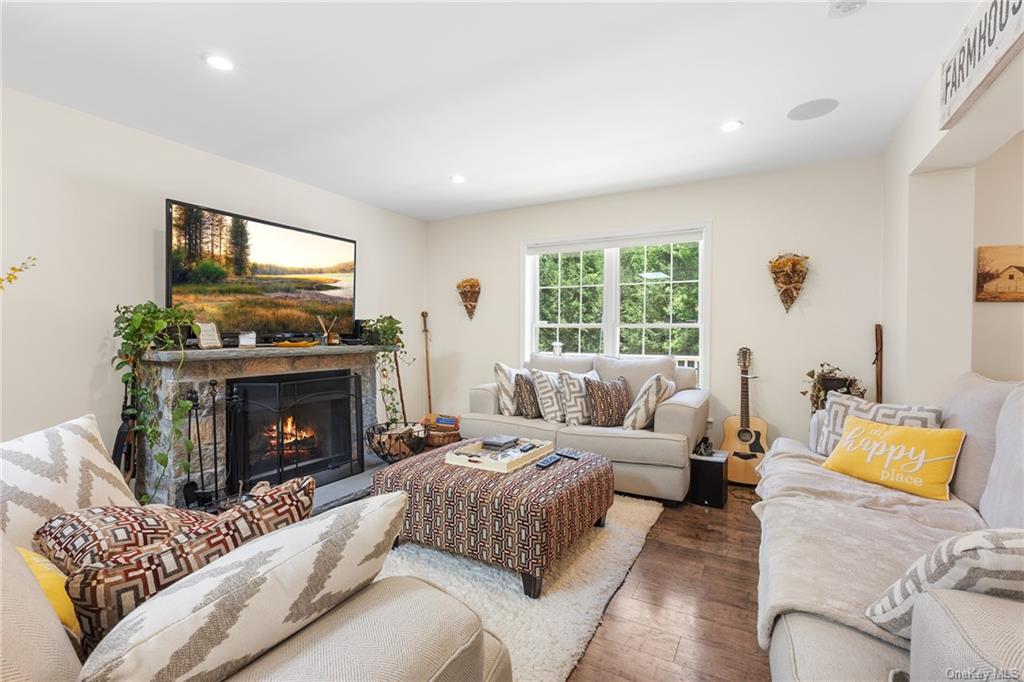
[[632, 295]]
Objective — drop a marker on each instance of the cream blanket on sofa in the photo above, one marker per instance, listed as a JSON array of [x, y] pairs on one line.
[[831, 544]]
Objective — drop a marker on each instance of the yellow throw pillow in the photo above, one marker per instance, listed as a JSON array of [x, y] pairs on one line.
[[909, 458], [52, 580]]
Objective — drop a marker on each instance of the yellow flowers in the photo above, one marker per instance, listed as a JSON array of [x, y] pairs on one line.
[[12, 273], [469, 292]]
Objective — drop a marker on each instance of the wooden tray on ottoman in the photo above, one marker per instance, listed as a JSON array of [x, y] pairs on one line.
[[522, 520]]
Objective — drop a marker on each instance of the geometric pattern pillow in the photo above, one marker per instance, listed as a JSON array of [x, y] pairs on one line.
[[609, 401], [573, 392], [526, 397], [218, 619], [641, 412], [74, 539], [505, 376], [103, 594], [987, 561], [56, 470], [548, 395], [839, 406]]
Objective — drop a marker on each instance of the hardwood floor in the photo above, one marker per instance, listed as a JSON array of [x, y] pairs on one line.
[[688, 607]]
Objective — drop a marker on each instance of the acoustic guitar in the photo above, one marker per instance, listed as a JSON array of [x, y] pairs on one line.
[[744, 435]]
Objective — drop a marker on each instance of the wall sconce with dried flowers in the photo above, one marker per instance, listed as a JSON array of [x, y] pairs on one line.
[[789, 270]]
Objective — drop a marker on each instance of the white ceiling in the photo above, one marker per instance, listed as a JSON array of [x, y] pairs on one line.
[[531, 102]]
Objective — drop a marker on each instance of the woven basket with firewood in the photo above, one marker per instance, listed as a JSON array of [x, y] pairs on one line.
[[395, 441]]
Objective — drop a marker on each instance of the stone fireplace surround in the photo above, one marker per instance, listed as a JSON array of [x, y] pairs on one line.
[[198, 367]]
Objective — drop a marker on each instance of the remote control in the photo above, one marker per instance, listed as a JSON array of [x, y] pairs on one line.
[[568, 454], [527, 447], [548, 461]]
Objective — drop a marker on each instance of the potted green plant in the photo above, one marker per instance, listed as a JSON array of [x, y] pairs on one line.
[[829, 378], [141, 328], [395, 438]]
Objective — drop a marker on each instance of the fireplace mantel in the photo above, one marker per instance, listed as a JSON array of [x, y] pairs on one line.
[[175, 373], [169, 357]]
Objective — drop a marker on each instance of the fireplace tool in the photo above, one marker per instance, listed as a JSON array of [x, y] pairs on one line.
[[193, 494]]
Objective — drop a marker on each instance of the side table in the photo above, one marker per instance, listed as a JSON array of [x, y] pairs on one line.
[[709, 479]]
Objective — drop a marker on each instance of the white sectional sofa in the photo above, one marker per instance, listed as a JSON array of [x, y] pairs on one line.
[[955, 634], [653, 462]]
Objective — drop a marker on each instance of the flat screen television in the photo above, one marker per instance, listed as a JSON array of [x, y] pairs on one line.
[[246, 274]]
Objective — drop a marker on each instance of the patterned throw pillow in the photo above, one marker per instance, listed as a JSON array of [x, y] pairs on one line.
[[573, 392], [505, 377], [53, 471], [526, 397], [98, 534], [548, 389], [105, 593], [650, 395], [609, 401], [215, 621], [989, 561], [840, 406]]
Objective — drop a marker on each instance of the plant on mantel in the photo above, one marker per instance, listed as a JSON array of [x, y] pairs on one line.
[[386, 330], [140, 328]]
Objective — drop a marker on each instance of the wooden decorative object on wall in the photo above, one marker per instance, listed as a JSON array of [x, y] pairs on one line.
[[1000, 274], [469, 291], [789, 270]]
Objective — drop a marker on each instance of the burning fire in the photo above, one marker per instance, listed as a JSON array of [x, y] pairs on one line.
[[292, 439]]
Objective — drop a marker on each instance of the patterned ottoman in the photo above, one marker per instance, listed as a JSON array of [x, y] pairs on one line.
[[523, 520]]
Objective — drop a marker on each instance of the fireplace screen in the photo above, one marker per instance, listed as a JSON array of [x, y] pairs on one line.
[[289, 425]]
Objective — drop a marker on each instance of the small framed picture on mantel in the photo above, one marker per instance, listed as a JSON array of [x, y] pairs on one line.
[[1000, 275]]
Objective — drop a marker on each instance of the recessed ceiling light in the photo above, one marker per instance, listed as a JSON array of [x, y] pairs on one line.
[[457, 179], [815, 108], [844, 8], [219, 62], [731, 126]]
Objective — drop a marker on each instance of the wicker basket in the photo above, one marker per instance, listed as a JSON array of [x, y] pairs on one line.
[[396, 441], [437, 437]]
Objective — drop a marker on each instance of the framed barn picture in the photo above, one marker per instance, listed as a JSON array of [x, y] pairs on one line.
[[1000, 273]]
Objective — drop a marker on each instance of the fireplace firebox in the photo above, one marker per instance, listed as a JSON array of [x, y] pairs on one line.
[[289, 425]]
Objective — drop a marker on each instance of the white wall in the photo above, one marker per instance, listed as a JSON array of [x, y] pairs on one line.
[[86, 197], [931, 190], [998, 328], [831, 212]]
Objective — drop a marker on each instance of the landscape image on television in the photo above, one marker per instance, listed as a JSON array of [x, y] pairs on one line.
[[245, 275]]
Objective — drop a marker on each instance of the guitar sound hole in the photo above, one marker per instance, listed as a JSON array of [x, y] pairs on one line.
[[745, 435]]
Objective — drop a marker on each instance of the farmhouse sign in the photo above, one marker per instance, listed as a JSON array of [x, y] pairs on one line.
[[991, 39]]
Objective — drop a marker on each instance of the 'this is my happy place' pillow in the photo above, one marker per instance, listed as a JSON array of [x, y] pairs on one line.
[[908, 458]]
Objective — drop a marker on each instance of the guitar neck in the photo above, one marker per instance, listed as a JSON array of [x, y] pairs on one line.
[[744, 400]]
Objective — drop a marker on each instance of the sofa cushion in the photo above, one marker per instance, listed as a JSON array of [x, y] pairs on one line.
[[220, 618], [634, 370], [989, 561], [505, 378], [33, 643], [573, 390], [973, 404], [915, 460], [547, 386], [964, 632], [609, 401], [685, 378], [806, 647], [623, 445], [90, 536], [475, 425], [1001, 505], [56, 470], [572, 362], [527, 403], [641, 413], [839, 406], [430, 636], [104, 593]]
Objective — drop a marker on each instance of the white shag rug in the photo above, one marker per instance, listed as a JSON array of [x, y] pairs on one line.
[[545, 636]]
